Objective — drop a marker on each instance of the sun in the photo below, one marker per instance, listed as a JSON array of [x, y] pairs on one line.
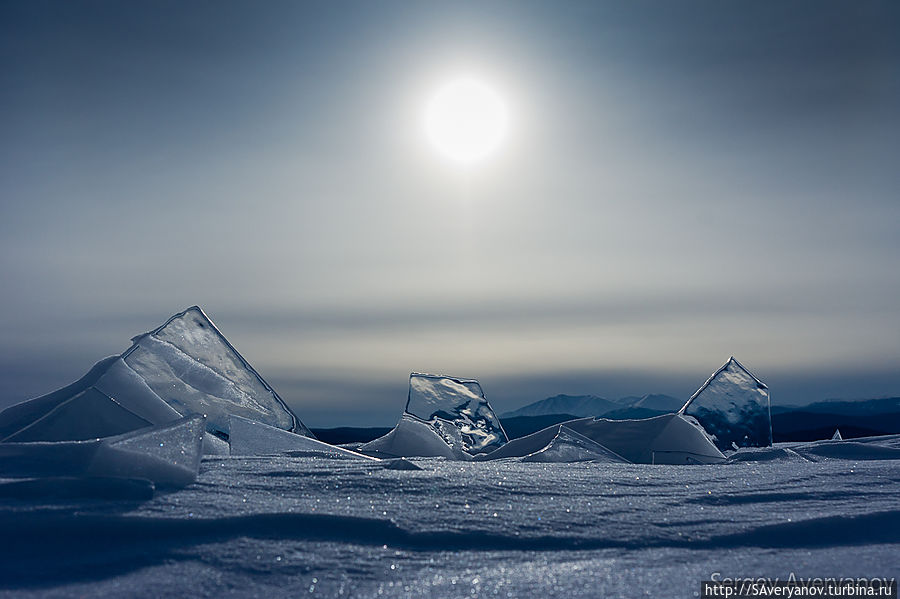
[[466, 121]]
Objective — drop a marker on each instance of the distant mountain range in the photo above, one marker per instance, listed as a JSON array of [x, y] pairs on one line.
[[592, 405], [854, 418], [846, 407]]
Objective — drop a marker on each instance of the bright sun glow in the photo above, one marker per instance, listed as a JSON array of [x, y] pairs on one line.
[[466, 121]]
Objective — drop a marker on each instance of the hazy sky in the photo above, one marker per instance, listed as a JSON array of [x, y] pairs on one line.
[[681, 182]]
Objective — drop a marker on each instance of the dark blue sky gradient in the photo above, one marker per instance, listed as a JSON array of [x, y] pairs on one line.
[[682, 182]]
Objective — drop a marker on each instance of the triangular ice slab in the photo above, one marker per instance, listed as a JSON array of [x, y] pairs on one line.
[[837, 435], [167, 455], [251, 438], [182, 368], [733, 406], [569, 446], [193, 368]]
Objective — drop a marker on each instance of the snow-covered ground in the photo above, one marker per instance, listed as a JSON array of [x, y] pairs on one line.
[[311, 526]]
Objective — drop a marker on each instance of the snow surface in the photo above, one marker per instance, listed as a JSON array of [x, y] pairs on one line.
[[318, 527]]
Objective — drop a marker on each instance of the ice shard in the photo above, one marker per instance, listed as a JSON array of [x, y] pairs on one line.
[[733, 407], [523, 446], [251, 438], [414, 438], [460, 402], [110, 399], [569, 446], [184, 367], [444, 416], [193, 368], [167, 455], [665, 439]]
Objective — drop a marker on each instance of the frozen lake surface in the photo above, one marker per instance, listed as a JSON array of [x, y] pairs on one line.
[[318, 527]]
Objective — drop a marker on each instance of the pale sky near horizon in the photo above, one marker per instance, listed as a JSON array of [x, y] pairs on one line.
[[680, 182]]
